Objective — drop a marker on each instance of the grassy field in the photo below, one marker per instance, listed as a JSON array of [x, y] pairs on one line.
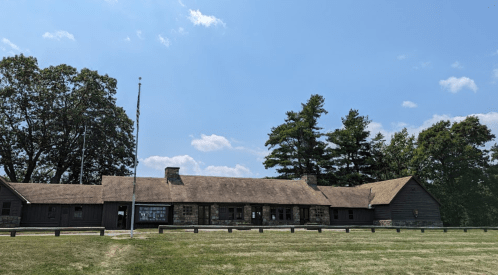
[[249, 252]]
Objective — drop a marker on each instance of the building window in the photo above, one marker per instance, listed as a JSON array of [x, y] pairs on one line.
[[6, 209], [351, 214], [231, 213], [319, 212], [51, 212], [187, 210], [153, 214], [336, 214], [78, 212], [281, 213]]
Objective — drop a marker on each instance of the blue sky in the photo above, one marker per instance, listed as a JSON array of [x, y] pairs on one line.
[[218, 75]]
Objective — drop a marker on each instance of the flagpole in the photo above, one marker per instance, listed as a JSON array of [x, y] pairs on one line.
[[135, 173]]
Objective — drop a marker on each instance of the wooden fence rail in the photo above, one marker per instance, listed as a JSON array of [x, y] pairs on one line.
[[56, 229], [318, 227]]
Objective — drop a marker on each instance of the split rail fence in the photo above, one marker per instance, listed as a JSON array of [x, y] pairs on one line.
[[317, 227], [57, 230]]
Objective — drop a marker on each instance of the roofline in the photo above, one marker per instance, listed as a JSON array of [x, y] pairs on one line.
[[13, 190], [418, 181]]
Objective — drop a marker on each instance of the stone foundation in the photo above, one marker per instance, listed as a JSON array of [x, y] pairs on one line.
[[9, 221], [408, 223], [179, 218]]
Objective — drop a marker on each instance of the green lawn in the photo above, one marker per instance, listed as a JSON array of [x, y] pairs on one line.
[[250, 252]]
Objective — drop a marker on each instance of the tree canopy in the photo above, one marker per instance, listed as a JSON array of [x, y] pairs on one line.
[[43, 113]]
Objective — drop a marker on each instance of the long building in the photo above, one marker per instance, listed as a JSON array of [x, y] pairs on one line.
[[180, 199]]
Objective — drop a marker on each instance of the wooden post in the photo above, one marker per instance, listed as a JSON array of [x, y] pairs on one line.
[[12, 233], [465, 230], [445, 230], [57, 233], [347, 230], [102, 232], [422, 230], [229, 230], [373, 230], [319, 230], [196, 230], [398, 230], [161, 231], [260, 230], [292, 229]]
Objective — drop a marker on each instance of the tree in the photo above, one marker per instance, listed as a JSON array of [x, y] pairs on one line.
[[297, 149], [43, 114], [449, 161], [378, 162], [399, 154], [352, 153]]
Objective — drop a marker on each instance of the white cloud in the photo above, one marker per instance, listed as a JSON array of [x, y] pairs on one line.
[[457, 65], [127, 39], [186, 163], [139, 34], [207, 20], [456, 84], [495, 53], [211, 143], [182, 31], [12, 45], [225, 171], [164, 41], [180, 2], [409, 104], [495, 73], [401, 57], [58, 35]]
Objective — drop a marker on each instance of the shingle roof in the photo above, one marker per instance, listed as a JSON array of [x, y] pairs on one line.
[[385, 191], [59, 193], [118, 188], [347, 197]]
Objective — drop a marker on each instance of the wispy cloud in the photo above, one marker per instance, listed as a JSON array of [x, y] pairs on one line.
[[211, 143], [127, 39], [409, 104], [401, 57], [495, 73], [225, 171], [457, 65], [182, 31], [139, 34], [58, 35], [206, 20], [164, 41], [10, 44], [180, 2], [454, 84]]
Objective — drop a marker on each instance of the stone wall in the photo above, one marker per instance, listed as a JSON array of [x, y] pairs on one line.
[[323, 218], [9, 221], [408, 223], [180, 219], [216, 221]]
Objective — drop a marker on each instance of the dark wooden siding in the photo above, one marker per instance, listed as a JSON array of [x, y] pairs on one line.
[[15, 202], [37, 215], [360, 216], [413, 196], [110, 214], [382, 212]]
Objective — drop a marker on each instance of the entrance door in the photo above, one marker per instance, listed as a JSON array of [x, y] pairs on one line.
[[304, 214], [257, 215], [65, 216], [204, 214], [122, 217]]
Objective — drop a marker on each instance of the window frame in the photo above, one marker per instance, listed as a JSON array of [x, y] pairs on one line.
[[9, 203], [74, 212], [51, 214], [281, 211], [187, 210], [351, 214], [319, 212], [335, 212], [231, 212]]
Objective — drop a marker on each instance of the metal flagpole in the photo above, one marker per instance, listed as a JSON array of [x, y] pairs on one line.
[[135, 173], [82, 157]]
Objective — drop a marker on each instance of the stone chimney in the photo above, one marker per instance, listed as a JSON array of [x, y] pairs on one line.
[[309, 179], [172, 174]]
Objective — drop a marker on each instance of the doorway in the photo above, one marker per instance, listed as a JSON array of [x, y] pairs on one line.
[[204, 214], [257, 215], [65, 216], [122, 217], [304, 214]]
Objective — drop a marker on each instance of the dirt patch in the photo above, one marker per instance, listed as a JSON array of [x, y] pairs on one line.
[[115, 257]]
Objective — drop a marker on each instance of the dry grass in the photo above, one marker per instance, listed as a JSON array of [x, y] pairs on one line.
[[250, 252]]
